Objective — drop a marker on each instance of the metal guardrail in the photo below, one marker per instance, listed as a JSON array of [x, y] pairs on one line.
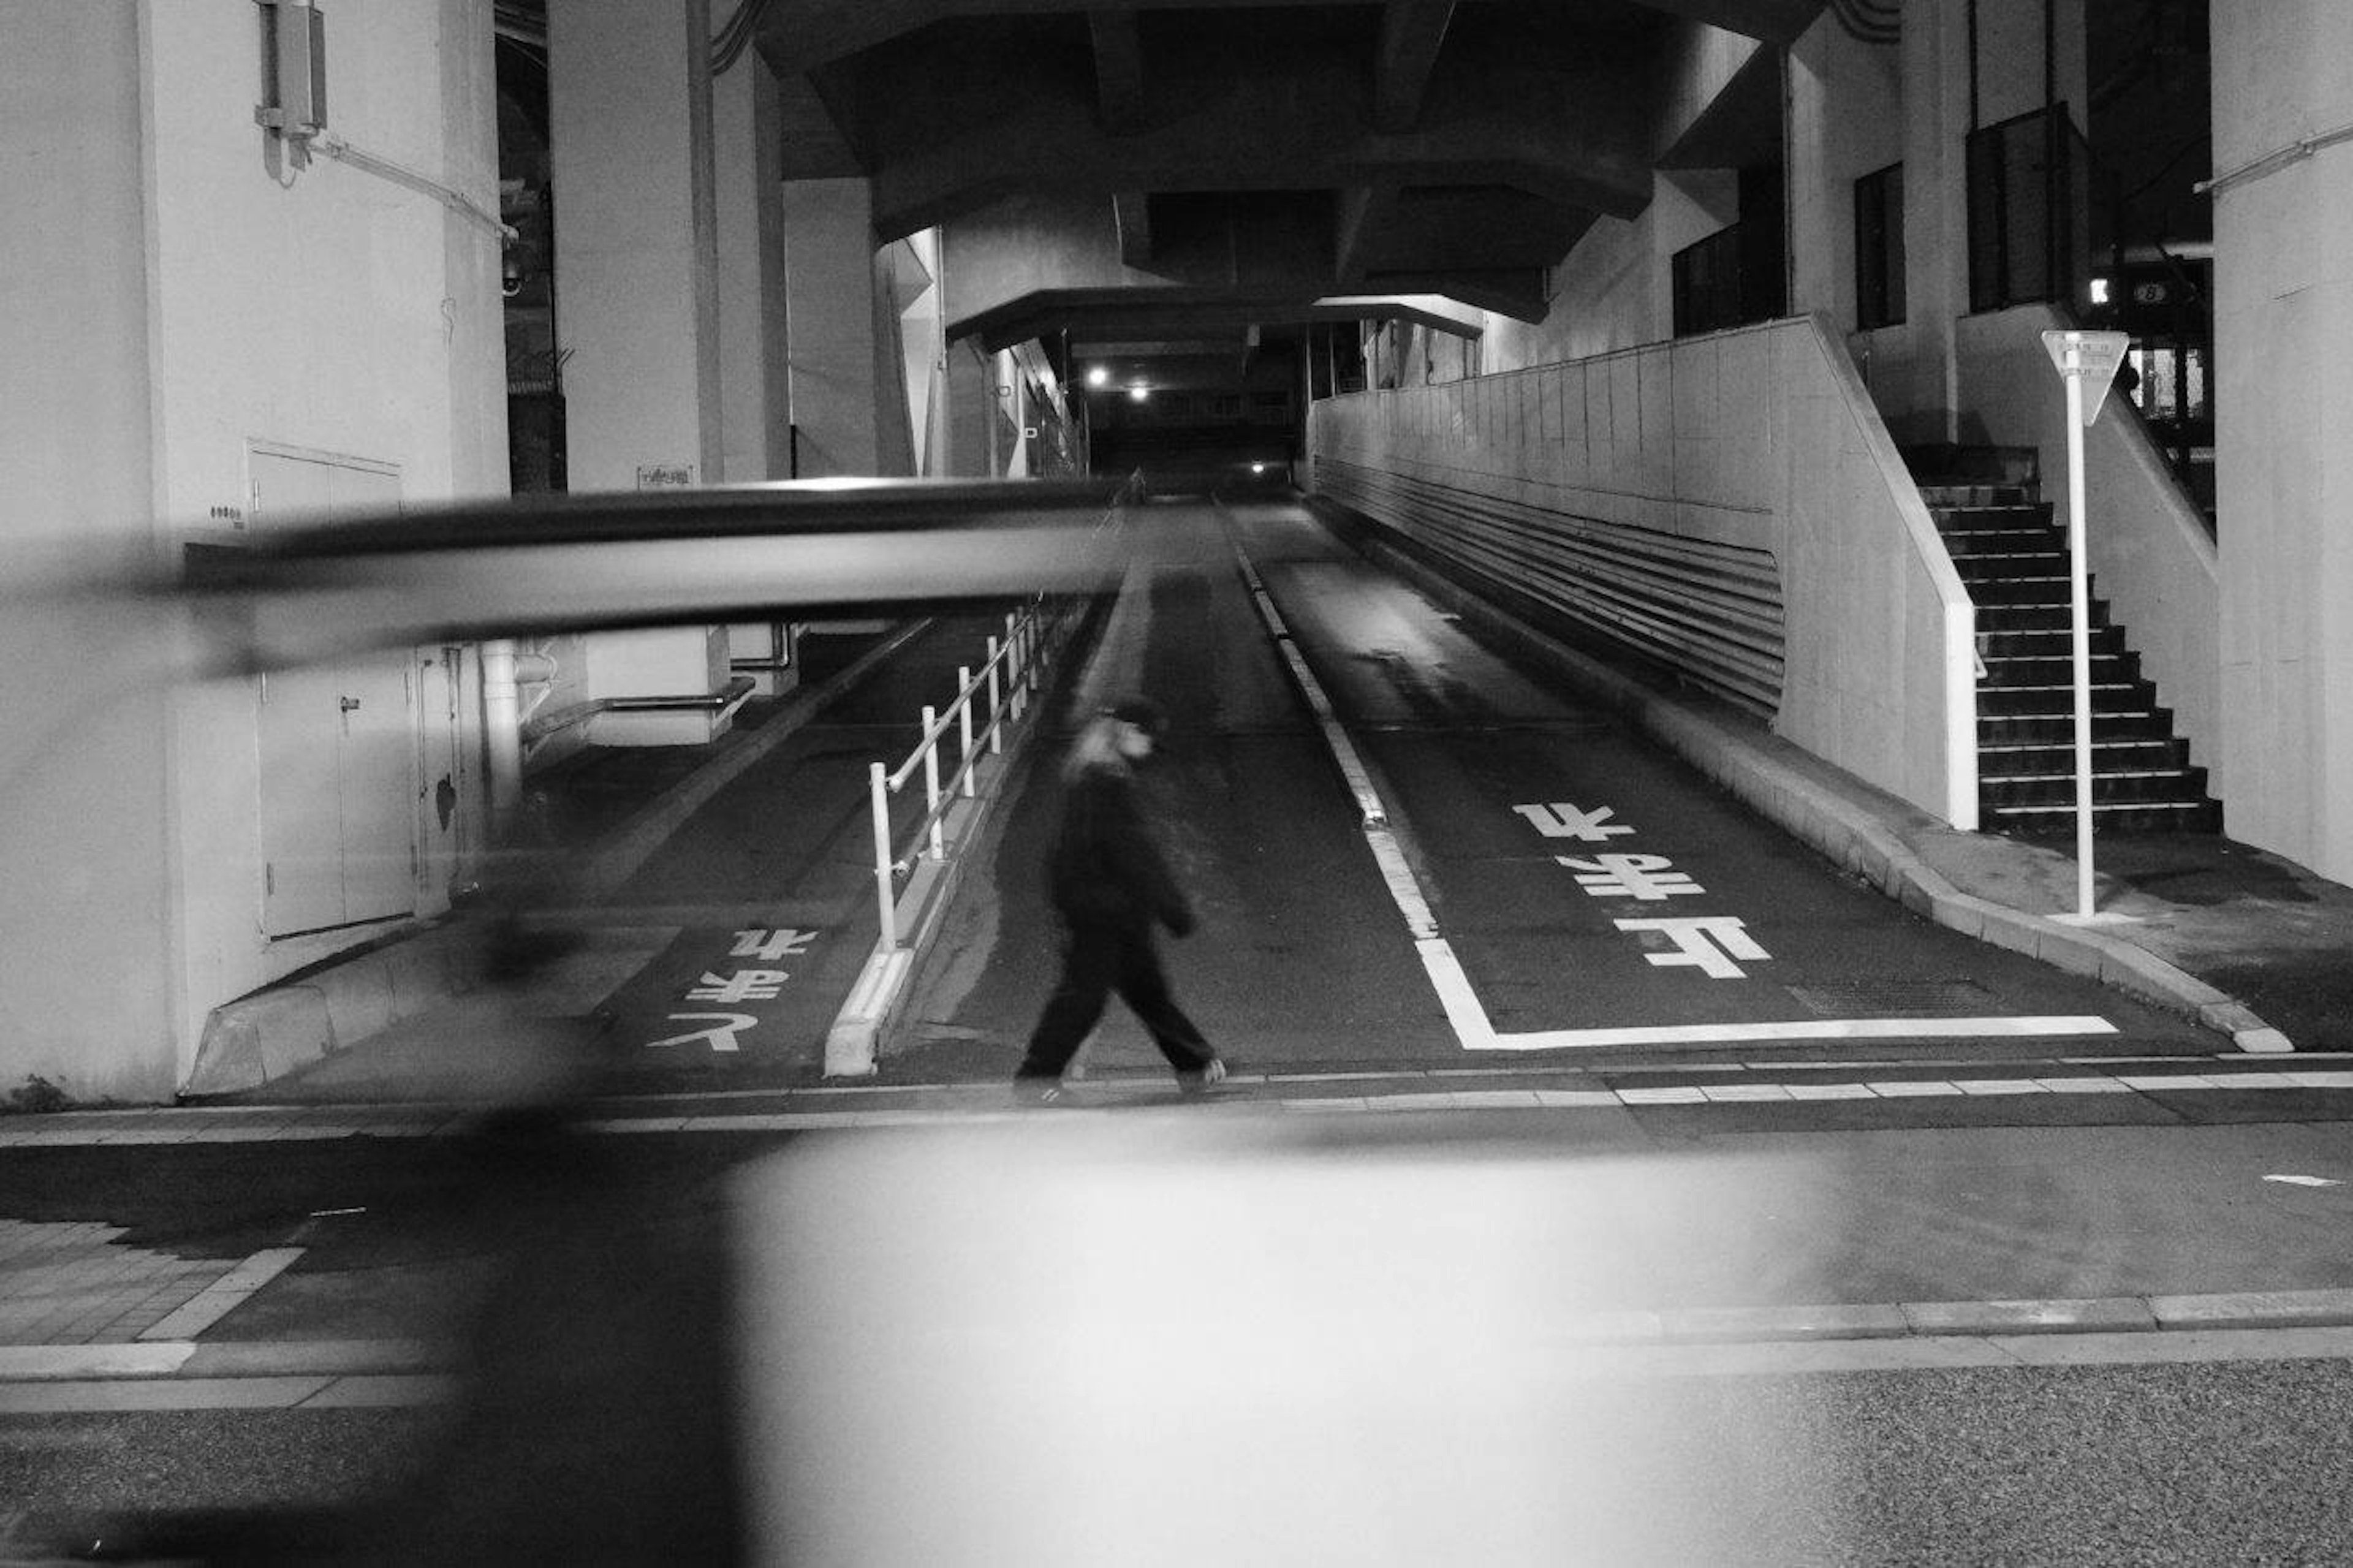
[[1010, 678]]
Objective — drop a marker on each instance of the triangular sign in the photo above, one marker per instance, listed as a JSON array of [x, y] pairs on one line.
[[2092, 355]]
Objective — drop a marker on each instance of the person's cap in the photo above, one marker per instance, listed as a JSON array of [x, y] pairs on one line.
[[1143, 712]]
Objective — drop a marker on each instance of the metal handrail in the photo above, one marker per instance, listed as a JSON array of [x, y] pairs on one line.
[[1008, 678]]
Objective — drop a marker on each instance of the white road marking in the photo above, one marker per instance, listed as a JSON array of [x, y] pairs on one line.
[[1803, 1029], [2306, 1181], [1473, 1029]]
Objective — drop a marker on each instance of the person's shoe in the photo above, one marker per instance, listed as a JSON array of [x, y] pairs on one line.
[[1039, 1092], [1198, 1085]]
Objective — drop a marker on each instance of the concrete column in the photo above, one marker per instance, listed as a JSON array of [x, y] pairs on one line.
[[970, 411], [2283, 440], [1919, 394], [635, 228], [829, 286], [747, 163], [471, 254], [630, 137], [87, 945]]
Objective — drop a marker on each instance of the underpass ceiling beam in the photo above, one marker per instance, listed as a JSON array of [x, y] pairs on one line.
[[1411, 34], [1131, 213], [1119, 70]]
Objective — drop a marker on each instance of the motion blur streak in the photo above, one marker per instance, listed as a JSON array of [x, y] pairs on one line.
[[590, 562], [1155, 1341]]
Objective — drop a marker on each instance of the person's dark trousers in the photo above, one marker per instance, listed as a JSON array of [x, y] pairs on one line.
[[1098, 960]]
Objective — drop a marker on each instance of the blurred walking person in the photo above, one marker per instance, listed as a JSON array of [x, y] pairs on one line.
[[1110, 885]]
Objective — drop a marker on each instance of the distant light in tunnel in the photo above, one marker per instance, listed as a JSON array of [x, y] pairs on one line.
[[1139, 391], [1257, 467], [1097, 376]]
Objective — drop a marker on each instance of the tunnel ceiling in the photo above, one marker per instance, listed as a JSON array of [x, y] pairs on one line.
[[1260, 155]]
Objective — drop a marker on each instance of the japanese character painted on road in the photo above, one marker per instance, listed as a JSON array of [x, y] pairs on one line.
[[740, 985], [1561, 820], [771, 945], [720, 1036], [1645, 876], [1707, 943]]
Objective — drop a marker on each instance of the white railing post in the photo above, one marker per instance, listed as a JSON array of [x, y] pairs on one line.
[[1013, 663], [879, 788], [996, 702], [964, 726], [932, 783]]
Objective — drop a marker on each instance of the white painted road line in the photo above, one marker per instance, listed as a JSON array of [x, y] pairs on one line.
[[1804, 1029]]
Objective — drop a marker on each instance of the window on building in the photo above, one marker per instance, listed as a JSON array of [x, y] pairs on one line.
[[1706, 276], [2026, 191], [1879, 247]]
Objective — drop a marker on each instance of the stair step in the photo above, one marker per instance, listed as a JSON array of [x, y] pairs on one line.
[[2059, 728], [2040, 759], [1999, 618], [2170, 785], [2036, 515], [2134, 816], [1974, 495], [2015, 671]]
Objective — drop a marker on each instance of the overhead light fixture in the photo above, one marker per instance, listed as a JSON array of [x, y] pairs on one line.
[[1139, 391], [2099, 290], [1097, 376], [1257, 467]]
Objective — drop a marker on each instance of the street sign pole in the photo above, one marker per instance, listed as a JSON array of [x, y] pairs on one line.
[[2077, 356], [2079, 589]]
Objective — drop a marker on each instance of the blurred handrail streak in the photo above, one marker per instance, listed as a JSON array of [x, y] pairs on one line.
[[583, 562]]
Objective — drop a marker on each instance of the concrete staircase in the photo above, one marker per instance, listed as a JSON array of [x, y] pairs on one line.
[[2011, 554]]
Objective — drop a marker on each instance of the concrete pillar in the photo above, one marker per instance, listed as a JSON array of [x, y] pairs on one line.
[[630, 134], [747, 164], [637, 244], [830, 285], [970, 409], [86, 946], [2284, 440]]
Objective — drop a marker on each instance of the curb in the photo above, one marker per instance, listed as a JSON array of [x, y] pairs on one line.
[[1835, 827], [186, 1360], [853, 1043]]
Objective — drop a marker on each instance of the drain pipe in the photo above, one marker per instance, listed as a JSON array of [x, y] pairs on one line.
[[503, 672]]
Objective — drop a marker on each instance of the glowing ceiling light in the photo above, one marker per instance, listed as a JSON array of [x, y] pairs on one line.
[[1097, 376], [1139, 391]]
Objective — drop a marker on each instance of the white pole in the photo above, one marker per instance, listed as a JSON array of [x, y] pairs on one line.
[[502, 734], [878, 790], [2080, 589], [964, 727]]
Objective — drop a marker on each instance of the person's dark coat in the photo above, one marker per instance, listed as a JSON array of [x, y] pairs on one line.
[[1106, 867]]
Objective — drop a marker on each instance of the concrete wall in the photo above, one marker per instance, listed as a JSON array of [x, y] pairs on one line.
[[2284, 401], [2150, 552], [87, 980], [1913, 368], [179, 294], [747, 159], [1711, 453], [844, 354], [1846, 120]]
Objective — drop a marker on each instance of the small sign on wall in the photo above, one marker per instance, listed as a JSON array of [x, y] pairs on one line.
[[665, 476]]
